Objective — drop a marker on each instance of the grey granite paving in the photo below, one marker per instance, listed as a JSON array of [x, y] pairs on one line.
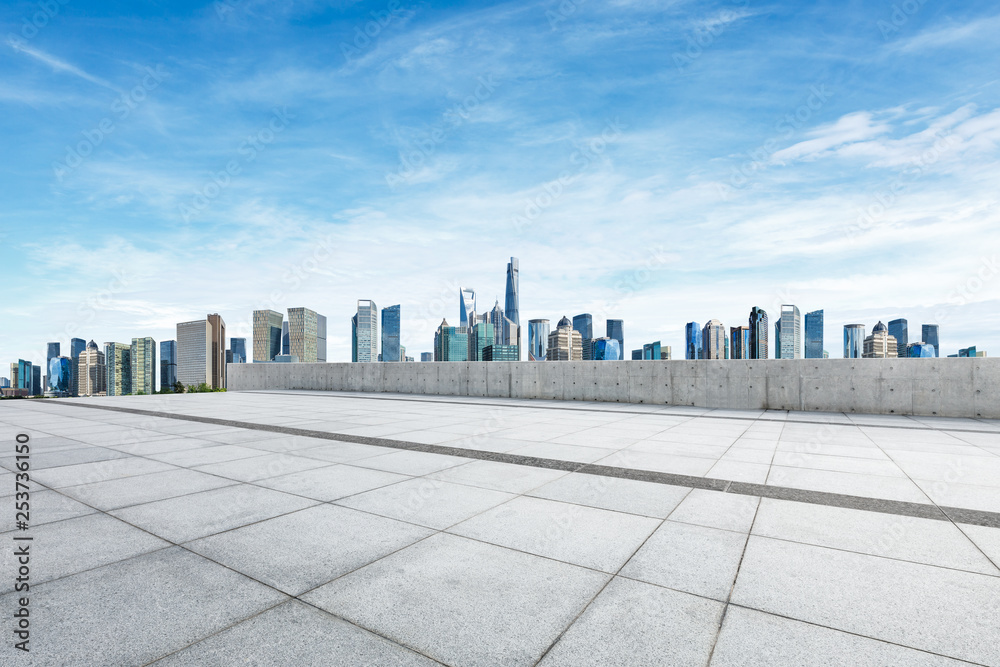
[[471, 531]]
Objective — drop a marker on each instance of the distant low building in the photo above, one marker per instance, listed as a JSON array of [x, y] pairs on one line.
[[607, 349], [497, 352], [920, 351]]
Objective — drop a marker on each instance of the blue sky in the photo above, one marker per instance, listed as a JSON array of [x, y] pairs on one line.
[[661, 162]]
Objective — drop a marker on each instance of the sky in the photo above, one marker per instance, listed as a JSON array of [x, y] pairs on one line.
[[655, 161]]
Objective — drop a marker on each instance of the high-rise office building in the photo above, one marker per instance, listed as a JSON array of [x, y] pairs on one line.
[[466, 307], [511, 305], [715, 343], [451, 343], [481, 336], [652, 351], [607, 349], [694, 347], [920, 351], [321, 338], [898, 330], [168, 364], [118, 362], [584, 323], [788, 334], [286, 344], [303, 326], [500, 353], [14, 370], [637, 355], [91, 372], [59, 375], [616, 329], [505, 330], [364, 332], [880, 345], [36, 380], [143, 365], [426, 356], [4, 383], [24, 375], [854, 341], [565, 343], [739, 342], [814, 335], [758, 333], [238, 347], [390, 334], [929, 333], [267, 326], [76, 348], [51, 353], [538, 340], [201, 352]]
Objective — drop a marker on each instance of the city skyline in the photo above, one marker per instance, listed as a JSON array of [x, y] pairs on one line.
[[751, 208]]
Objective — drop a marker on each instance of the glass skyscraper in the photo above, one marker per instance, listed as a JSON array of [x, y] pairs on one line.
[[466, 307], [854, 341], [511, 307], [60, 372], [364, 332], [267, 329], [390, 333], [607, 349], [788, 341], [238, 347], [758, 333], [920, 351], [168, 364], [321, 338], [715, 343], [584, 323], [303, 327], [481, 336], [739, 342], [930, 336], [118, 360], [814, 335], [898, 330], [538, 340], [651, 351], [76, 347], [143, 365], [692, 335], [451, 343], [616, 330]]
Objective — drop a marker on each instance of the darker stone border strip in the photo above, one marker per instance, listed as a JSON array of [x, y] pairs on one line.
[[704, 415], [894, 507]]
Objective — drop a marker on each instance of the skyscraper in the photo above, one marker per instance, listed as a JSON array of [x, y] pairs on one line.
[[118, 361], [898, 330], [814, 335], [143, 365], [511, 307], [467, 307], [321, 338], [538, 340], [788, 342], [267, 325], [506, 332], [238, 346], [59, 375], [481, 336], [616, 329], [880, 345], [303, 327], [854, 341], [714, 342], [76, 348], [426, 356], [36, 380], [758, 333], [168, 364], [201, 352], [364, 332], [451, 343], [929, 332], [51, 353], [607, 349], [739, 342], [920, 350], [584, 323], [91, 373], [286, 345], [694, 347], [390, 334], [651, 351], [565, 343]]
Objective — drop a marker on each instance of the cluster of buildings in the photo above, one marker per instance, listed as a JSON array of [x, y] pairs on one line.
[[198, 357]]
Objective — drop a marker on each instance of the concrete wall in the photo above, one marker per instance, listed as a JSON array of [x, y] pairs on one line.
[[941, 387]]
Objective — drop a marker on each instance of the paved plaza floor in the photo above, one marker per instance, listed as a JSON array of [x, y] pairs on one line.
[[330, 528]]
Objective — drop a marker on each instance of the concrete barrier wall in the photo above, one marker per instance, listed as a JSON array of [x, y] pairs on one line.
[[932, 387]]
